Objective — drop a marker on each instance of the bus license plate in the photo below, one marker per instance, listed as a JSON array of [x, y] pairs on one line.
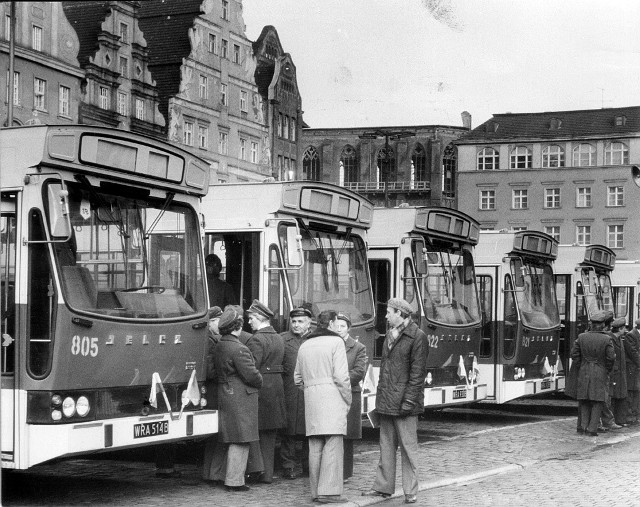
[[150, 429], [545, 384], [458, 394]]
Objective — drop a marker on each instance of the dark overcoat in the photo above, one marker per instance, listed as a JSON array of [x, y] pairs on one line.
[[632, 343], [211, 384], [238, 383], [357, 363], [293, 395], [402, 373], [267, 348], [618, 376], [593, 352]]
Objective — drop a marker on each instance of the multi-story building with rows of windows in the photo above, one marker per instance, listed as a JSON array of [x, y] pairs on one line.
[[46, 75], [567, 173]]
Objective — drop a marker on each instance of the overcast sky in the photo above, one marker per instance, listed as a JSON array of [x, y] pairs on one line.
[[422, 62]]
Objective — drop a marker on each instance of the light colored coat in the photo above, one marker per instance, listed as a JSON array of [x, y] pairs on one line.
[[322, 371]]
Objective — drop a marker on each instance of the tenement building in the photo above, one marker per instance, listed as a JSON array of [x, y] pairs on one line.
[[389, 165], [567, 173]]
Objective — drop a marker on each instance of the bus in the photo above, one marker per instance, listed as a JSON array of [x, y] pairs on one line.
[[583, 287], [103, 295], [425, 256], [520, 318], [625, 280], [294, 244]]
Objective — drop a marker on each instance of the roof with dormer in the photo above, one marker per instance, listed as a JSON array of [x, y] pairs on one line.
[[586, 123], [86, 18]]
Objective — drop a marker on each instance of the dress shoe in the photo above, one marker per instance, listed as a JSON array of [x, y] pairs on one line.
[[622, 425], [614, 426], [410, 498], [236, 489], [602, 429], [591, 433], [373, 492], [580, 430], [332, 499]]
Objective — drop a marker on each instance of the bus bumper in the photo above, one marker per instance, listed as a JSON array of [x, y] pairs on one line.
[[436, 397], [532, 387]]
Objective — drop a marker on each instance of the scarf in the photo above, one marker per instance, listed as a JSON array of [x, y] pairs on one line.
[[394, 333]]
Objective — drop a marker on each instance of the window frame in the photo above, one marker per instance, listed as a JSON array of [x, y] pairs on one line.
[[203, 87], [585, 196], [223, 143], [551, 231], [584, 232], [223, 94], [187, 132], [36, 37], [579, 153], [40, 96], [616, 153], [203, 137], [615, 196], [520, 199], [549, 155], [615, 231], [105, 102], [552, 198], [487, 200], [213, 43], [140, 109], [244, 101], [254, 152], [520, 158], [122, 104], [488, 154]]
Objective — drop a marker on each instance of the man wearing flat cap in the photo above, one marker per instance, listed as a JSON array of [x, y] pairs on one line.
[[294, 448], [618, 376], [593, 352], [267, 348], [399, 400], [632, 340]]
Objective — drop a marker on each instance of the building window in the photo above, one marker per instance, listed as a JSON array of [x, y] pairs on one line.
[[279, 167], [124, 33], [204, 87], [188, 133], [243, 149], [449, 166], [615, 236], [36, 34], [551, 197], [203, 137], [223, 143], [16, 88], [140, 109], [418, 165], [311, 164], [487, 199], [254, 152], [386, 168], [553, 156], [225, 9], [122, 104], [518, 228], [616, 154], [223, 94], [280, 121], [488, 159], [583, 197], [7, 27], [287, 166], [292, 125], [285, 127], [104, 98], [213, 44], [584, 155], [224, 49], [621, 121], [583, 235], [244, 102], [64, 93], [553, 231], [520, 158], [349, 163], [236, 53], [124, 67], [615, 196], [39, 94], [520, 199]]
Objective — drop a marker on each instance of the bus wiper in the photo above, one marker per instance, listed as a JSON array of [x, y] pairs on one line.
[[325, 272], [334, 266], [165, 205], [445, 275], [86, 184], [347, 237]]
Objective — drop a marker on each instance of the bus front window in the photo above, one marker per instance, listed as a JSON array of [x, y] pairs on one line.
[[536, 298], [333, 276], [449, 289], [130, 257]]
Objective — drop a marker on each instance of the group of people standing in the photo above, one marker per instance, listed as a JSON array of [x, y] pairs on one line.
[[605, 375], [305, 387]]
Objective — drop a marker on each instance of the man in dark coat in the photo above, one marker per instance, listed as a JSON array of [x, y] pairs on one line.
[[593, 351], [294, 450], [399, 400], [632, 340], [267, 348], [238, 384], [618, 376]]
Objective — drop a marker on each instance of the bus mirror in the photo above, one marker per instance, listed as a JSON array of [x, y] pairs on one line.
[[635, 175], [420, 256], [294, 247], [59, 221]]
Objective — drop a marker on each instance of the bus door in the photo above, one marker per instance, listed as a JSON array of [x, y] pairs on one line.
[[625, 303], [382, 268], [565, 300], [487, 282], [8, 319]]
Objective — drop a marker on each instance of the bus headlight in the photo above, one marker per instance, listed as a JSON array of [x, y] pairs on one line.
[[203, 402], [203, 389], [56, 400], [56, 415], [429, 379], [82, 406], [68, 406]]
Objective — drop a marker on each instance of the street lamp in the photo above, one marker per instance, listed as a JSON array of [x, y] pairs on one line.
[[387, 134]]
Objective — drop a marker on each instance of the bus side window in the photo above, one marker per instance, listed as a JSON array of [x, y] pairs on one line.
[[381, 283], [485, 287], [510, 319], [276, 292], [7, 284]]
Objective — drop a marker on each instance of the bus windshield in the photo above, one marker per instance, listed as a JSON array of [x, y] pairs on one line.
[[130, 257], [449, 289], [535, 294], [598, 293], [334, 275]]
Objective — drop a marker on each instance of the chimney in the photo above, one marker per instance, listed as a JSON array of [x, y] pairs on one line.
[[466, 119]]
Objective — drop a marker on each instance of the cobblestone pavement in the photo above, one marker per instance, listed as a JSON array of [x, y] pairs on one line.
[[518, 465]]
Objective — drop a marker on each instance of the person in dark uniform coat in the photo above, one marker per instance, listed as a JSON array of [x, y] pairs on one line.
[[618, 376], [593, 351], [267, 348], [294, 449], [220, 292], [238, 384], [632, 340], [357, 363]]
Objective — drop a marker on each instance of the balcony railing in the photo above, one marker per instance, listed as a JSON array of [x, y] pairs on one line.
[[390, 186]]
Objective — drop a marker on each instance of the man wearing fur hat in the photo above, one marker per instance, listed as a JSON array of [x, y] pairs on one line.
[[399, 400]]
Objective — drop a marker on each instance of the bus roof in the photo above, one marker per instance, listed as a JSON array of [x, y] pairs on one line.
[[103, 152], [494, 245], [599, 257], [242, 205], [390, 225]]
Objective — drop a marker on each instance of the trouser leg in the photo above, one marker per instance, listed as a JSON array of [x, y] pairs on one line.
[[237, 456], [407, 430], [606, 414], [386, 472], [316, 443], [348, 457], [288, 452], [215, 459], [330, 477], [267, 448], [594, 416], [165, 458], [619, 410], [584, 407], [255, 463]]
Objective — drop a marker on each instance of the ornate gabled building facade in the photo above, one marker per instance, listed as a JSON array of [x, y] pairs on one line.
[[47, 74], [277, 83], [413, 164], [566, 173], [118, 90]]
